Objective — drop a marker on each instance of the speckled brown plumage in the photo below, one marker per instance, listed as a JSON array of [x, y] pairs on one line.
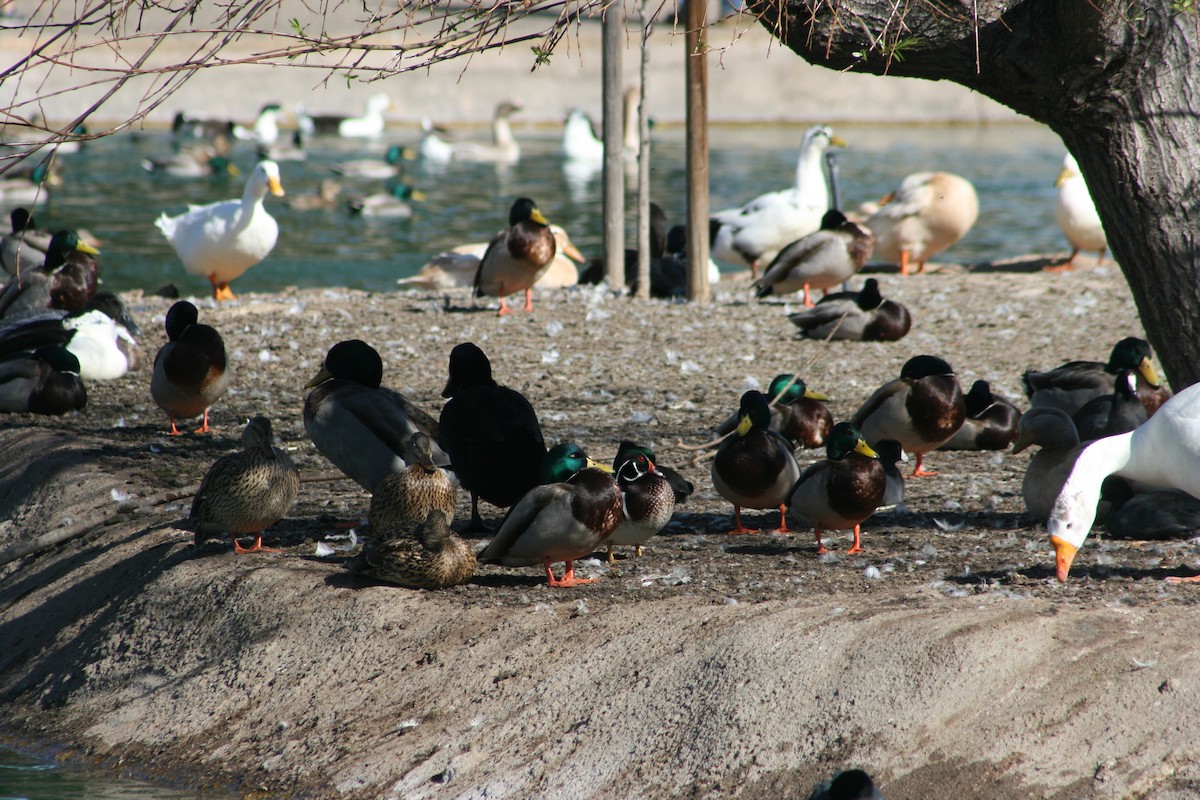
[[403, 500], [426, 556], [246, 492]]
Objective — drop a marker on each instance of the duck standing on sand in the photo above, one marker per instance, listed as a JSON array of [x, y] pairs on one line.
[[220, 241], [921, 409], [754, 467], [843, 490], [490, 432], [927, 213], [517, 256], [575, 510], [357, 423], [1076, 214], [245, 493], [823, 259], [191, 371]]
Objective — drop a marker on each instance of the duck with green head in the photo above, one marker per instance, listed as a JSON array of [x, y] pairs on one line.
[[577, 508], [66, 280], [799, 413], [517, 256], [842, 491], [754, 467], [191, 371], [647, 499], [1070, 386]]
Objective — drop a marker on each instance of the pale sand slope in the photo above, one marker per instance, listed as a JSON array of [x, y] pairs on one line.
[[711, 667]]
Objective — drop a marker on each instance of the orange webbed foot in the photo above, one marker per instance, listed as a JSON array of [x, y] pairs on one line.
[[257, 547]]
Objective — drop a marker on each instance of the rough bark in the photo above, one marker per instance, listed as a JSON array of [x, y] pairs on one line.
[[1117, 82]]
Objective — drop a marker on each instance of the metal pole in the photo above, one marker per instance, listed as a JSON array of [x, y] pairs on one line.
[[697, 150], [614, 175]]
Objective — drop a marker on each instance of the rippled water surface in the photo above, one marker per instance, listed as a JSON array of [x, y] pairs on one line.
[[107, 192], [23, 777]]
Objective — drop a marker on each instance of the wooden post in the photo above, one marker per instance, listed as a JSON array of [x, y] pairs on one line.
[[614, 175], [643, 162], [697, 150]]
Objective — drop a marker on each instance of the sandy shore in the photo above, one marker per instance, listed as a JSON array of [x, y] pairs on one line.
[[711, 667]]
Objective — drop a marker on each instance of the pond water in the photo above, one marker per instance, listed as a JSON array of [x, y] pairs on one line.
[[23, 777], [107, 192]]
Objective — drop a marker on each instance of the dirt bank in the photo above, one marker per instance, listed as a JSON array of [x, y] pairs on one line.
[[712, 667]]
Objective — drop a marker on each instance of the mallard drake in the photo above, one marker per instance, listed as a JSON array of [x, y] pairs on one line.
[[402, 500], [647, 499], [823, 259], [1076, 214], [890, 454], [490, 433], [324, 196], [755, 467], [1111, 414], [753, 234], [192, 164], [798, 413], [1070, 386], [66, 281], [25, 248], [358, 424], [374, 168], [921, 409], [27, 190], [862, 316], [503, 149], [220, 241], [928, 212], [843, 490], [423, 556], [575, 510], [45, 381], [853, 784], [191, 371], [395, 203], [1164, 451], [990, 422], [517, 256], [1052, 430], [456, 267], [247, 492], [680, 485], [370, 124]]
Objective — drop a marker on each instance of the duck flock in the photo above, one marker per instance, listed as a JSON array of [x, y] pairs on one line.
[[1102, 427]]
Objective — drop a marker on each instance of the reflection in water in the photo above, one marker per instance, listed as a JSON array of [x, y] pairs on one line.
[[27, 778]]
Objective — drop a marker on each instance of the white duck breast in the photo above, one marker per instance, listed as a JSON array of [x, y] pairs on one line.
[[106, 351], [1075, 212], [580, 142]]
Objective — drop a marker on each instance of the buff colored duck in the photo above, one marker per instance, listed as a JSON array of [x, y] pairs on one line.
[[246, 492], [402, 500], [490, 432], [843, 490], [862, 316], [648, 501], [1163, 452], [517, 256], [754, 467], [753, 234], [575, 510], [361, 426], [220, 241], [927, 213], [191, 371], [921, 409], [503, 149], [990, 422], [423, 556], [1070, 386], [1076, 214]]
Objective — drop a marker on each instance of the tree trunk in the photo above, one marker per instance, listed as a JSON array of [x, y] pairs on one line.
[[1115, 81]]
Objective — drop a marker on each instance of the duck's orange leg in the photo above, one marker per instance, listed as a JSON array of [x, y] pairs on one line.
[[783, 528], [903, 262], [257, 547], [174, 430], [857, 546], [808, 303], [529, 299], [918, 472], [568, 579], [203, 424], [737, 522], [1066, 266], [820, 545]]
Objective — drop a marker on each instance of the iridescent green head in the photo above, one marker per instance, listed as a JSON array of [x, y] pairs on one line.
[[563, 461], [845, 439]]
